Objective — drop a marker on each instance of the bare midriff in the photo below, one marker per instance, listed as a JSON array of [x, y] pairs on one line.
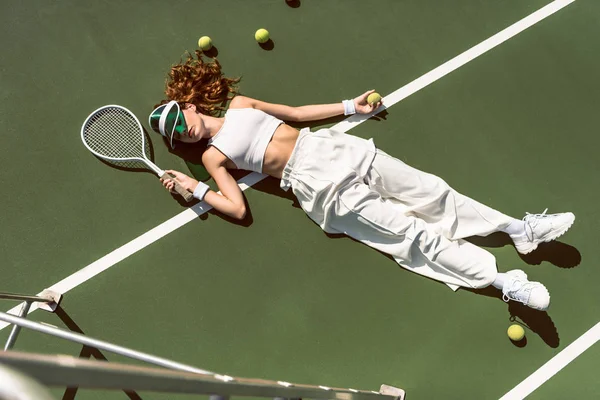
[[279, 150]]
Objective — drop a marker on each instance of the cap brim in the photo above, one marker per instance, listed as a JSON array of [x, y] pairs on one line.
[[156, 120], [169, 120]]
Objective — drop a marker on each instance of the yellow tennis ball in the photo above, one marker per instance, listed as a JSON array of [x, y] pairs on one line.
[[374, 98], [516, 332], [262, 35], [205, 43]]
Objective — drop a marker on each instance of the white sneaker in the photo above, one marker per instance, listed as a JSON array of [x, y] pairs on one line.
[[532, 294], [542, 228]]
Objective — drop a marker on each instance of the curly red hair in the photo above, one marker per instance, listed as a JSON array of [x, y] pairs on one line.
[[200, 83]]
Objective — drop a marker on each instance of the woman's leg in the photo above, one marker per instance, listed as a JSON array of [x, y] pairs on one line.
[[429, 197], [327, 176], [454, 215], [364, 215]]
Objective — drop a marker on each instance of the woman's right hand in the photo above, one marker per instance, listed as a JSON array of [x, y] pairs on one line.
[[185, 181], [362, 105]]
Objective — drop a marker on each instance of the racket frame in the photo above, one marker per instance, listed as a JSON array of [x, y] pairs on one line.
[[158, 171], [143, 159]]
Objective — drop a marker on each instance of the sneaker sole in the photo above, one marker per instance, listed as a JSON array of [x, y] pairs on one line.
[[549, 238]]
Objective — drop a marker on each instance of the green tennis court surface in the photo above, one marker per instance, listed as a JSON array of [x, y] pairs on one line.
[[274, 297]]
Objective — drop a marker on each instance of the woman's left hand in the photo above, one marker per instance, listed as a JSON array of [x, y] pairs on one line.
[[362, 106]]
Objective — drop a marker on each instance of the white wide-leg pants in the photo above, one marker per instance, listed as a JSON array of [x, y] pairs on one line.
[[348, 186]]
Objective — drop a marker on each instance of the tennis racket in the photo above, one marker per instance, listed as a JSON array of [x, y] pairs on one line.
[[114, 134]]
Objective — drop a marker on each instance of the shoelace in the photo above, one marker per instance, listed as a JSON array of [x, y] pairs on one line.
[[514, 287], [530, 219]]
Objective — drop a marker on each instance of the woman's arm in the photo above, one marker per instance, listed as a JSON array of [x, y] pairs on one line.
[[304, 113], [230, 201]]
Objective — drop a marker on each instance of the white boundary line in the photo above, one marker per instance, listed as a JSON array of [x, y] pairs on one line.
[[133, 246], [554, 365], [190, 214], [459, 61]]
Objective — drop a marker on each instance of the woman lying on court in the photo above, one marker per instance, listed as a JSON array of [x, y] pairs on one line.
[[344, 183]]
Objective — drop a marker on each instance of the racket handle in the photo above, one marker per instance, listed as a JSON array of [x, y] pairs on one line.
[[178, 188]]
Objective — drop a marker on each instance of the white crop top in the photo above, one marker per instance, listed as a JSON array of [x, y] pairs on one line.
[[244, 137]]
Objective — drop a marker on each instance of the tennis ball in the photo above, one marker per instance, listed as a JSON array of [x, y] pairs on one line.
[[205, 43], [374, 98], [515, 332], [262, 35]]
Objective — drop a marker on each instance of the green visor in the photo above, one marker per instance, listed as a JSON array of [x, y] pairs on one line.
[[167, 120]]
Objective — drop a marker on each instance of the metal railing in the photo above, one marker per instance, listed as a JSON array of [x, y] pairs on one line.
[[60, 370], [48, 299], [99, 344]]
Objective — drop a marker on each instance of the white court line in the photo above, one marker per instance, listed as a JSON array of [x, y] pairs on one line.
[[555, 364], [133, 246], [190, 214], [459, 61]]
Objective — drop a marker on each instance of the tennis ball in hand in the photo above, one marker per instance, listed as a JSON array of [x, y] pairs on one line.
[[516, 332], [205, 43], [374, 98], [262, 35]]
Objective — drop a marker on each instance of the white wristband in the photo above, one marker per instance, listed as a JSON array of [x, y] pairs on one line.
[[201, 190], [349, 108]]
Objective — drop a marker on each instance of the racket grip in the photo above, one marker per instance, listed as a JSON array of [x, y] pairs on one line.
[[178, 188]]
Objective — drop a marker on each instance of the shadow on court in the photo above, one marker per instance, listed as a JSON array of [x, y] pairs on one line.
[[268, 185], [271, 186], [557, 253], [293, 3], [538, 322], [212, 52], [86, 352], [268, 45]]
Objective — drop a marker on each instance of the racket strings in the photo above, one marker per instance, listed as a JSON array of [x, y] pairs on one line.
[[128, 139], [107, 137], [113, 133]]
